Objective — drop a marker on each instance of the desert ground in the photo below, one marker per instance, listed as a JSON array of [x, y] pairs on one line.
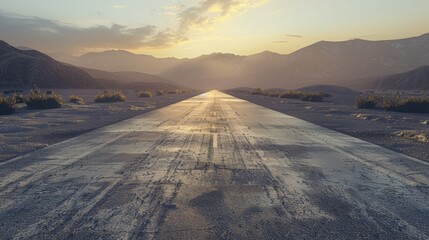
[[214, 167], [29, 130], [406, 133]]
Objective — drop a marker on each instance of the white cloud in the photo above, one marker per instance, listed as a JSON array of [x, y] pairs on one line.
[[52, 36]]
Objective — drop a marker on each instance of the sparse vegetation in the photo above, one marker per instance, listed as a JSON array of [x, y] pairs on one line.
[[410, 104], [38, 100], [292, 94], [145, 94], [414, 135], [305, 96], [312, 97], [19, 98], [396, 103], [366, 102], [76, 100], [109, 96], [160, 92], [274, 94], [173, 92], [7, 105], [258, 91]]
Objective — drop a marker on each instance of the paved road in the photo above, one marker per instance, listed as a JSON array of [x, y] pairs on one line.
[[214, 167]]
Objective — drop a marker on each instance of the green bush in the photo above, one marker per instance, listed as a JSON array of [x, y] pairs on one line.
[[38, 100], [7, 105], [366, 102], [145, 94], [109, 96], [76, 100]]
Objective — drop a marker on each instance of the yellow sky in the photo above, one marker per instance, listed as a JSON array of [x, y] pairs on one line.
[[190, 28]]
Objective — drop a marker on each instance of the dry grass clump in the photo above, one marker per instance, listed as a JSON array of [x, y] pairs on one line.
[[173, 92], [258, 91], [409, 104], [76, 100], [38, 100], [19, 98], [291, 94], [145, 94], [414, 135], [7, 105], [396, 103], [275, 94], [366, 102], [305, 96], [313, 97], [109, 96]]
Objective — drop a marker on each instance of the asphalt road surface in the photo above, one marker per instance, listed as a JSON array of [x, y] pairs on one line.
[[214, 167]]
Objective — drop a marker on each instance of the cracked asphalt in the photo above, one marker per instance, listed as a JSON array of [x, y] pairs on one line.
[[214, 167]]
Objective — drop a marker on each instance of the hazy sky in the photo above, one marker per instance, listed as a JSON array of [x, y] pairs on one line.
[[190, 28]]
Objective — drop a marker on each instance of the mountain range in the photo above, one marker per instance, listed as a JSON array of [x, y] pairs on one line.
[[359, 64], [119, 60], [340, 63], [27, 68]]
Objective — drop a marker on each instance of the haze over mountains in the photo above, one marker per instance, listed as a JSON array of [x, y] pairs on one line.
[[119, 60], [414, 79], [26, 68], [340, 63], [358, 64]]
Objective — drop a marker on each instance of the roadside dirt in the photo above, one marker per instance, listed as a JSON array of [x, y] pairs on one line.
[[388, 129], [29, 130]]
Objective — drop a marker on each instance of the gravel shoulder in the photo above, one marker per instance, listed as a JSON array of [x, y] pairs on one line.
[[29, 130], [405, 133]]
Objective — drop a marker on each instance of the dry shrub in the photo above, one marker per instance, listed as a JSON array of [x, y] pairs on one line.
[[109, 96], [38, 100]]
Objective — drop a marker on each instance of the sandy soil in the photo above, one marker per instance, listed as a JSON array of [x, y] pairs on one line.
[[402, 132], [214, 167], [28, 130]]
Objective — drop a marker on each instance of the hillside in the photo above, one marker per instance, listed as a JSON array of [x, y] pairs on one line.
[[417, 79], [125, 77], [29, 68]]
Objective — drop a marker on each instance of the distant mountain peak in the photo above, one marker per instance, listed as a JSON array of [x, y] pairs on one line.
[[217, 55], [109, 52], [266, 54]]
